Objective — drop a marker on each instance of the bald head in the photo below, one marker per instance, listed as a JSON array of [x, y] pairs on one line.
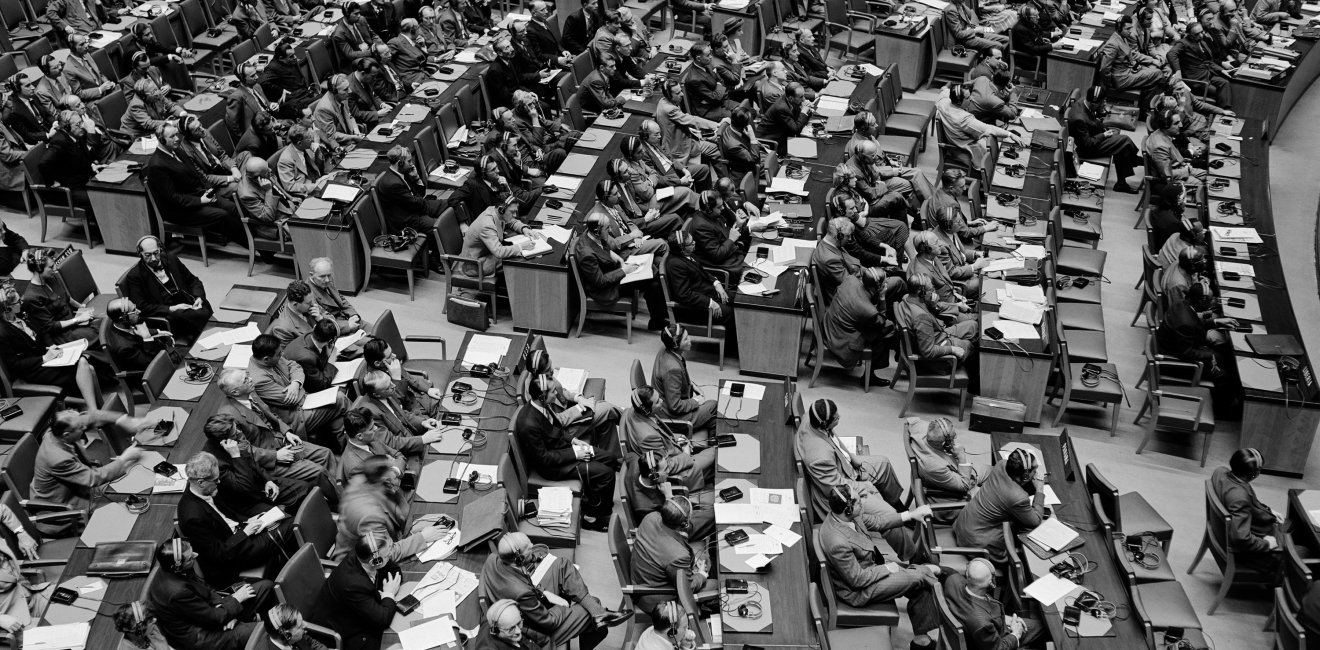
[[256, 167], [980, 573]]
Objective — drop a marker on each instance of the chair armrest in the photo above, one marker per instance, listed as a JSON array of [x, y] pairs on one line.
[[937, 507], [326, 635], [960, 550], [420, 373], [422, 338], [870, 20], [481, 272], [328, 563], [32, 505], [707, 595], [45, 561], [637, 590]]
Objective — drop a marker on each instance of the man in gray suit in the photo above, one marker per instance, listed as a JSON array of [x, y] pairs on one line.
[[644, 432], [663, 553], [263, 200], [1013, 492], [297, 167], [409, 54], [336, 116], [366, 438], [559, 606], [274, 445], [484, 239], [380, 397], [62, 474], [861, 574], [986, 623], [829, 464], [678, 136], [670, 378], [279, 383], [321, 280], [298, 316]]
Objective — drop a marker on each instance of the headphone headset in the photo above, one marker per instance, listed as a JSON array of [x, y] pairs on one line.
[[139, 615], [672, 336], [669, 613], [641, 405], [950, 436], [839, 203], [652, 459], [944, 217], [824, 414], [1026, 459], [842, 494], [377, 560], [176, 550], [685, 506]]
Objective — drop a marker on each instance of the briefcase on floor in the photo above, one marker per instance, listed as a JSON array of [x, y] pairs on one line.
[[121, 559], [468, 312], [990, 415]]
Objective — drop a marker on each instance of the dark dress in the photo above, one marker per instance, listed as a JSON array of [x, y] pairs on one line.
[[21, 355], [45, 307]]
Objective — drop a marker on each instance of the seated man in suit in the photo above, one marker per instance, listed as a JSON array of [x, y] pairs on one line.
[[266, 202], [402, 193], [485, 240], [707, 94], [664, 553], [415, 393], [131, 344], [871, 479], [647, 484], [298, 168], [986, 623], [560, 607], [286, 630], [409, 57], [62, 474], [786, 117], [280, 384], [675, 169], [940, 465], [375, 504], [1123, 64], [321, 280], [693, 465], [920, 311], [597, 91], [246, 485], [679, 137], [679, 396], [367, 438], [855, 320], [695, 290], [274, 443], [192, 614], [357, 599], [504, 629], [311, 351], [162, 287], [148, 110], [184, 195], [227, 539], [1013, 492], [964, 25], [1253, 526], [625, 233], [380, 396], [603, 269], [299, 314], [337, 115], [69, 160], [353, 37], [850, 540], [553, 449], [720, 234]]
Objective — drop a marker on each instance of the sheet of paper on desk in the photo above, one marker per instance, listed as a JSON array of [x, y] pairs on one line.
[[1033, 251], [772, 496], [1241, 235], [440, 603], [466, 56], [344, 342], [1015, 330], [1052, 499], [750, 289], [442, 548], [1048, 589], [485, 349], [1053, 534], [539, 246], [1022, 312], [459, 137], [346, 371], [759, 544], [557, 233], [645, 268], [876, 71], [1259, 374], [1032, 294], [736, 513], [796, 186], [340, 192], [56, 637], [783, 515], [750, 391], [239, 356], [431, 634], [572, 378], [757, 561], [1003, 264], [320, 398], [447, 576], [783, 535], [1031, 113], [802, 147], [566, 184]]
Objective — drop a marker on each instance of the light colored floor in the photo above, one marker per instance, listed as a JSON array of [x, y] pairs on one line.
[[1167, 474]]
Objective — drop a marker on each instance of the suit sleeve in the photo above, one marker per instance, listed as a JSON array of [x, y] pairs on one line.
[[845, 564], [293, 180], [397, 194], [269, 391], [958, 26], [73, 472], [534, 439], [673, 384], [595, 276], [134, 290], [189, 605], [214, 544], [1241, 538]]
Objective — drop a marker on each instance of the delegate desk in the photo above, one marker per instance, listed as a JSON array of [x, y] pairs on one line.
[[157, 522], [1272, 100], [912, 51], [540, 288], [1279, 418], [1075, 511], [787, 576], [1077, 68]]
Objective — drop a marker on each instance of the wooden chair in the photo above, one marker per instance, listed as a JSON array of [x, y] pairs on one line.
[[314, 525], [51, 201], [156, 377], [387, 329], [515, 486], [1130, 512], [17, 470], [588, 304], [1291, 634], [53, 551], [530, 476], [1177, 409], [842, 29], [1295, 581], [1218, 529], [368, 222], [1109, 390], [1150, 275], [944, 373], [948, 65], [840, 614], [638, 375], [1161, 605], [856, 638], [816, 353], [620, 544], [298, 585], [279, 246], [174, 228], [79, 283], [450, 242]]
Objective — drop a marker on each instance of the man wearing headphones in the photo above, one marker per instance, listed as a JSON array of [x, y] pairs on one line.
[[1014, 492], [721, 235], [246, 485], [132, 347], [162, 287], [953, 184], [669, 630], [1193, 331], [485, 240], [28, 116], [964, 25], [402, 193], [1167, 162], [148, 110], [185, 196], [276, 445], [13, 150], [559, 605], [282, 384], [375, 504], [1253, 526], [695, 290], [575, 443], [380, 396], [787, 117], [69, 160], [228, 537], [367, 438], [286, 630], [357, 599], [664, 554], [708, 95], [986, 623], [504, 629], [1123, 65], [680, 138], [925, 310], [644, 432], [336, 113], [679, 396], [855, 320], [940, 461], [850, 540], [1190, 269], [192, 614], [834, 264], [266, 203], [1094, 140], [1190, 234], [299, 167], [622, 233], [648, 486], [61, 473], [686, 171], [991, 98], [830, 463], [603, 269], [964, 131], [371, 106], [283, 77], [246, 100]]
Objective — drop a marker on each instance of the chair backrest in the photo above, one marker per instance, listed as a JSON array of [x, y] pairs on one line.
[[194, 16], [1016, 573], [1106, 493], [246, 50], [78, 279], [300, 582], [620, 549], [583, 65], [427, 150], [1291, 635], [451, 236], [314, 524], [37, 49], [573, 108], [10, 500], [951, 629], [255, 640], [1297, 574], [638, 376], [1217, 524], [8, 64], [112, 107], [220, 131], [468, 99], [367, 217], [817, 607], [449, 120], [749, 187], [387, 329], [19, 466], [318, 54], [13, 15], [1304, 536], [157, 375], [264, 36], [160, 26], [565, 88]]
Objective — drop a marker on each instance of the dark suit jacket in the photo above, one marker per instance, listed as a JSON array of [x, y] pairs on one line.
[[221, 553], [243, 482], [409, 59], [701, 86], [12, 251], [1196, 61], [812, 62], [661, 558], [129, 351], [278, 77], [403, 200], [67, 161], [318, 372], [140, 286], [982, 618], [31, 124], [577, 33], [347, 42], [177, 185], [601, 274], [382, 18], [20, 353], [351, 605], [548, 445], [670, 378], [690, 285], [187, 605], [782, 122], [474, 193], [505, 76], [399, 420], [714, 248], [540, 37], [599, 93]]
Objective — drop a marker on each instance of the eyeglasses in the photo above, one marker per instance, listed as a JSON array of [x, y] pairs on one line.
[[155, 253], [510, 630], [209, 479]]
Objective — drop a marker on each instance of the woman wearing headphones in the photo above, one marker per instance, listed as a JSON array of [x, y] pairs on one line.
[[1014, 492]]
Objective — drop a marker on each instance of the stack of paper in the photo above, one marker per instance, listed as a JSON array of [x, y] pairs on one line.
[[71, 636], [1022, 312], [555, 509], [1241, 235], [69, 353], [1052, 534], [571, 379], [243, 334], [485, 349], [796, 186], [170, 485], [1049, 589], [645, 268], [443, 547], [345, 342], [346, 371]]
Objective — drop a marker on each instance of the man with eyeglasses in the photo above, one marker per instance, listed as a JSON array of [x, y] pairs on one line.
[[29, 118], [504, 629], [132, 344], [162, 287], [367, 438], [228, 538]]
